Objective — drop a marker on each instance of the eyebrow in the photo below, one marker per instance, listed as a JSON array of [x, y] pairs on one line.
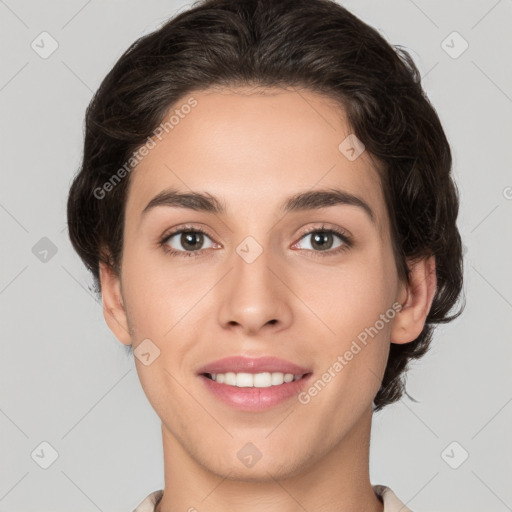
[[303, 201]]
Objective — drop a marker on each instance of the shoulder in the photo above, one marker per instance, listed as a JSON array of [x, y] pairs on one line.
[[149, 503], [390, 499]]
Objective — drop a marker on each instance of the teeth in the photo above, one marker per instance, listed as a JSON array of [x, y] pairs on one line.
[[256, 380]]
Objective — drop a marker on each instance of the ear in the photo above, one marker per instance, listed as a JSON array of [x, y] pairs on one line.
[[416, 299], [113, 306]]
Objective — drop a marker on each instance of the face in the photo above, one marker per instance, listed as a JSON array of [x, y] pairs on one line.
[[310, 281]]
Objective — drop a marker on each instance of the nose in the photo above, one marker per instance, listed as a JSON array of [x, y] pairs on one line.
[[254, 296]]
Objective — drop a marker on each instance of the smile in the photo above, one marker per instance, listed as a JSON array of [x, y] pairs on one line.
[[256, 380]]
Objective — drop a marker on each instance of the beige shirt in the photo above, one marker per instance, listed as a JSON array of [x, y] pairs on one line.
[[388, 497]]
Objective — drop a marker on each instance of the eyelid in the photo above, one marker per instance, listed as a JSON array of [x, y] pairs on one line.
[[187, 227], [325, 226]]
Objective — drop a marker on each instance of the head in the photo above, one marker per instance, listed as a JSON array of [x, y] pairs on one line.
[[268, 110]]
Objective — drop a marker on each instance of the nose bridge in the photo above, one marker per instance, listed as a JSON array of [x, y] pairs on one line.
[[253, 296]]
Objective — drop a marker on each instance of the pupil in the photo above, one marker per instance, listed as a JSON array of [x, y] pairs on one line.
[[189, 240], [321, 240]]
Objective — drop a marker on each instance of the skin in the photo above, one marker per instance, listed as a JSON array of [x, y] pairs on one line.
[[252, 149]]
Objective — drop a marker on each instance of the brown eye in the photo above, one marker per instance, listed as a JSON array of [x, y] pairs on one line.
[[187, 241], [322, 240], [192, 240]]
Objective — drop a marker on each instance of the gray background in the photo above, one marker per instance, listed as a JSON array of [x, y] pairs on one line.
[[66, 380]]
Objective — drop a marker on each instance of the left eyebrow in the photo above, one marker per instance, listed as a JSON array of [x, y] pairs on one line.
[[303, 201], [317, 199]]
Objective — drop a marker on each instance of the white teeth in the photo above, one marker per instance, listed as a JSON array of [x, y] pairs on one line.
[[256, 380], [244, 380]]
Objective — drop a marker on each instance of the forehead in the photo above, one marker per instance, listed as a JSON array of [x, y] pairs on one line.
[[252, 148]]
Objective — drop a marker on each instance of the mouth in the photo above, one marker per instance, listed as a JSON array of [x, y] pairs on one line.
[[253, 384], [254, 392]]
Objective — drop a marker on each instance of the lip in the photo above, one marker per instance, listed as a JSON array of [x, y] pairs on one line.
[[253, 365], [254, 399]]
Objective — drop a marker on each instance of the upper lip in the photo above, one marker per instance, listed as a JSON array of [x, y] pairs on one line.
[[253, 365]]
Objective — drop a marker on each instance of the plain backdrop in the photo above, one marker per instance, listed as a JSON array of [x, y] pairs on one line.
[[68, 390]]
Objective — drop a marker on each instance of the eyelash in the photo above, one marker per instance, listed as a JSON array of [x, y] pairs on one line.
[[347, 242]]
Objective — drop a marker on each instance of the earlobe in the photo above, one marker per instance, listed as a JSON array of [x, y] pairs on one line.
[[113, 306], [417, 297]]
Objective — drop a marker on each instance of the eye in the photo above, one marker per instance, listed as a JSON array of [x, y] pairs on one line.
[[189, 241], [323, 240], [186, 242]]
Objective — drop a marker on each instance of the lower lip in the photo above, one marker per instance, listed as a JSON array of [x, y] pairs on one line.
[[255, 399]]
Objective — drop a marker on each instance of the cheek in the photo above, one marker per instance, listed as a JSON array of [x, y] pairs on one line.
[[157, 295], [357, 353], [163, 305], [351, 296], [355, 296]]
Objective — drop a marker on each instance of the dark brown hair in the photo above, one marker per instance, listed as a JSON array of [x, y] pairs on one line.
[[312, 44]]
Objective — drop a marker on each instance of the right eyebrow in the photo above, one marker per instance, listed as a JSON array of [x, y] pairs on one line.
[[191, 200]]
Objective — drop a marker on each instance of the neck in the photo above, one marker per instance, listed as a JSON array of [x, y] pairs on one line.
[[337, 482]]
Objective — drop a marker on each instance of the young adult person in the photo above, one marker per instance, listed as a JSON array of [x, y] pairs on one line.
[[267, 209]]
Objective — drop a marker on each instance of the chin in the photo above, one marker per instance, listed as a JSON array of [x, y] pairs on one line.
[[266, 469]]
